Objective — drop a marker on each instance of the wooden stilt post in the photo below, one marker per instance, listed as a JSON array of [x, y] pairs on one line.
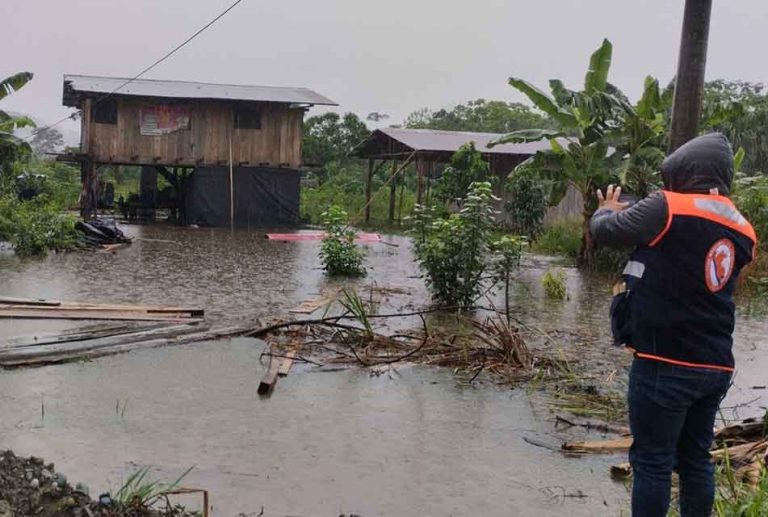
[[368, 187], [231, 187], [392, 192], [87, 170]]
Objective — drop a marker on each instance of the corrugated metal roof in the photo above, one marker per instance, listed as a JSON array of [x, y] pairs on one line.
[[451, 141], [192, 90]]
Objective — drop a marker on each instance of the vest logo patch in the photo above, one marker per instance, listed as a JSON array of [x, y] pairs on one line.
[[719, 264]]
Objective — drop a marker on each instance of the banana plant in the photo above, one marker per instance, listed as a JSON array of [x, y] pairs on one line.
[[11, 147], [583, 150]]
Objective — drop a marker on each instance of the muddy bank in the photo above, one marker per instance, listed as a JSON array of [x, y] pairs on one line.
[[30, 487]]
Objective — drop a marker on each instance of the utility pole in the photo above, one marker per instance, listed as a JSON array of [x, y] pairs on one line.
[[691, 65]]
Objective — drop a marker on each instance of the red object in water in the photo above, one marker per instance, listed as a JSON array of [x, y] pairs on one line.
[[316, 236]]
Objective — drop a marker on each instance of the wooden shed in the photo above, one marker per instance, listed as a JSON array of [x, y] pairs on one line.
[[427, 149], [220, 132]]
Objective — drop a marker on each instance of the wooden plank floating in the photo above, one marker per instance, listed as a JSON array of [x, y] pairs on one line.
[[287, 362], [10, 300], [269, 380], [87, 314], [78, 334], [90, 352], [23, 308]]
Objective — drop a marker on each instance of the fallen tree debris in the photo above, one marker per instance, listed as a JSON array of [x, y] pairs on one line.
[[310, 306], [100, 232], [744, 446]]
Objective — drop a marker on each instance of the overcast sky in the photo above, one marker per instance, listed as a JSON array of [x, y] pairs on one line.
[[392, 57]]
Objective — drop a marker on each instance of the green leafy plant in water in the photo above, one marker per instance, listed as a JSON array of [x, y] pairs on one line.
[[355, 305], [139, 491], [555, 285], [339, 254], [36, 226], [508, 250], [467, 167], [454, 251]]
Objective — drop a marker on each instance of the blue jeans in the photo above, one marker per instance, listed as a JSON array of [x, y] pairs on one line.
[[672, 413]]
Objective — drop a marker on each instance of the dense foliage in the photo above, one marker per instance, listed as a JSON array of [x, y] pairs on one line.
[[329, 139], [339, 254], [453, 252], [479, 116]]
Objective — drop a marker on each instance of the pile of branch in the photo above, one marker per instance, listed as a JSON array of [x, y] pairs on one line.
[[743, 446], [492, 345]]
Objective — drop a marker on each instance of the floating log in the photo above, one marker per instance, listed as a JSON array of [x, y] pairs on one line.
[[317, 236], [269, 380]]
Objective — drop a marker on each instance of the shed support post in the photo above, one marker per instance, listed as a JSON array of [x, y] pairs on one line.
[[88, 200], [392, 192], [368, 187], [148, 192]]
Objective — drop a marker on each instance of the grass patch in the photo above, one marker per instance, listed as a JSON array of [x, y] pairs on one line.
[[554, 284], [560, 238]]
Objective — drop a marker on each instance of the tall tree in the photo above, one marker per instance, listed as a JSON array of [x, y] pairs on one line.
[[692, 62], [329, 138], [47, 140]]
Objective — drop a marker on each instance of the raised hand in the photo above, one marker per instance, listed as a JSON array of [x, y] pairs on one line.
[[611, 199]]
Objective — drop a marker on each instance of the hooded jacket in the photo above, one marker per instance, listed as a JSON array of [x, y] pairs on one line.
[[690, 247]]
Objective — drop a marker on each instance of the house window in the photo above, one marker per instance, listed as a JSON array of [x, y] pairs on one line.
[[247, 118], [104, 111]]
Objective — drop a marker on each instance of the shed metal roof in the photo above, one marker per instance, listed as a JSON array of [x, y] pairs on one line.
[[429, 140], [76, 85]]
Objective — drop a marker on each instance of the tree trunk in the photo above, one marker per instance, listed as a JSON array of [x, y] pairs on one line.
[[587, 253], [689, 85]]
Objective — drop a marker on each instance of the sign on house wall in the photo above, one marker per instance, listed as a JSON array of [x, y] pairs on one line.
[[163, 119]]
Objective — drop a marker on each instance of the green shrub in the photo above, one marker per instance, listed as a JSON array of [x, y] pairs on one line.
[[561, 238], [527, 202], [454, 251], [338, 253], [555, 285], [508, 250], [36, 226]]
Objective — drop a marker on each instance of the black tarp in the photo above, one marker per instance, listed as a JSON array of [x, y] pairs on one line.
[[263, 196]]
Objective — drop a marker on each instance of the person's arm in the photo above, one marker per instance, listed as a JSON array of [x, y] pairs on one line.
[[616, 226]]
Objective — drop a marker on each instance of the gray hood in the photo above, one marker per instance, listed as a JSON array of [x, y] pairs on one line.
[[703, 163]]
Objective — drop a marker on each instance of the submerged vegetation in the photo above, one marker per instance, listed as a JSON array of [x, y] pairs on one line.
[[554, 283]]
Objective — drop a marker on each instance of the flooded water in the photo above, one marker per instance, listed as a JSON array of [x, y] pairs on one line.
[[414, 441]]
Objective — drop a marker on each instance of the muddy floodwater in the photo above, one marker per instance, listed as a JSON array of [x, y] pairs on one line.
[[412, 441]]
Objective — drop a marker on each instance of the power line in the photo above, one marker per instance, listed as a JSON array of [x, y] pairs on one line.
[[147, 69]]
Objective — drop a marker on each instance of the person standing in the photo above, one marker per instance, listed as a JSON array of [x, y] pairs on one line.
[[675, 312]]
